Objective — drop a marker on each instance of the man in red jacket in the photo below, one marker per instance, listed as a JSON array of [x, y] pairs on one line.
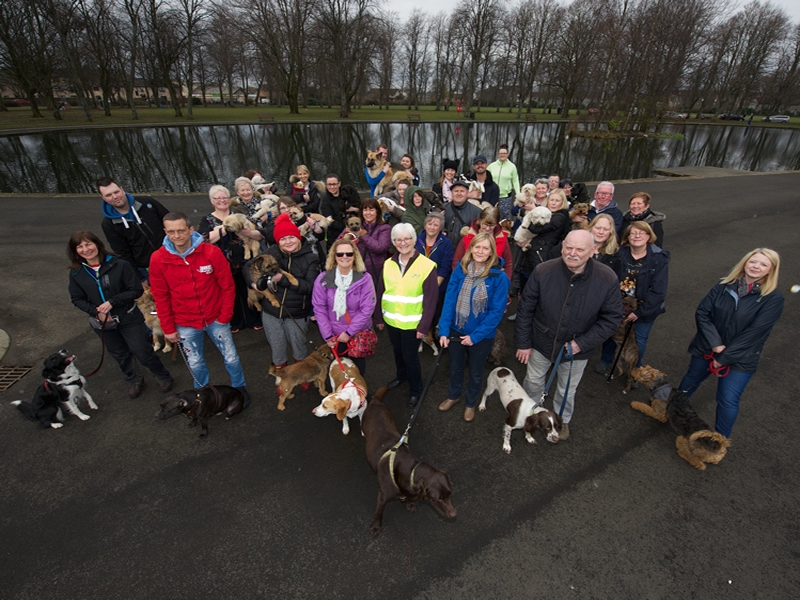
[[193, 288]]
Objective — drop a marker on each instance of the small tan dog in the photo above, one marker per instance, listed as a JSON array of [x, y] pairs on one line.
[[269, 204], [265, 265], [312, 369], [696, 443], [147, 305], [353, 228], [234, 224], [579, 209], [311, 218], [349, 397]]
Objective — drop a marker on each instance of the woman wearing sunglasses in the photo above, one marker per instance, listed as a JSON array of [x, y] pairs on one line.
[[343, 298]]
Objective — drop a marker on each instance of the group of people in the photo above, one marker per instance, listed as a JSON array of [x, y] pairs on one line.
[[456, 269]]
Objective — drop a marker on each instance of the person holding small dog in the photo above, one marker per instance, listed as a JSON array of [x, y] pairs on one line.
[[375, 243], [344, 298], [409, 291], [305, 192], [232, 246], [287, 324], [248, 199], [639, 210], [734, 321], [643, 271], [569, 302], [480, 173], [472, 311], [105, 287]]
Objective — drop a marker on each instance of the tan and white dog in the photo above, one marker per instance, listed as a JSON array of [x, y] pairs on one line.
[[311, 219], [349, 397], [234, 224], [523, 412], [269, 204]]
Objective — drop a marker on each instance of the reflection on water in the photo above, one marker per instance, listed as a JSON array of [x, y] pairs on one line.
[[190, 159]]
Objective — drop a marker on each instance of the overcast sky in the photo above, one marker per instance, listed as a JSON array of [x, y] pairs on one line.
[[792, 7]]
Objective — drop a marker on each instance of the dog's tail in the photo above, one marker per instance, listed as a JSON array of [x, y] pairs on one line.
[[708, 440], [378, 397], [275, 373], [24, 407]]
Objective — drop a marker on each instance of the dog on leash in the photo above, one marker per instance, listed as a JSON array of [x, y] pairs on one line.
[[400, 474], [265, 265], [626, 363], [202, 403], [312, 369], [147, 306], [696, 443], [235, 223], [523, 412], [63, 386], [538, 216], [349, 397]]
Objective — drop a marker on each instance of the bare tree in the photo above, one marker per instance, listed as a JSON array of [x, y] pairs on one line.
[[783, 83], [479, 37], [163, 35], [193, 16], [415, 44]]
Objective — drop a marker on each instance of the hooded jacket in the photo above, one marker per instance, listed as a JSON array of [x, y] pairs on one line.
[[742, 325], [191, 289], [117, 282], [135, 235], [558, 306], [360, 299], [415, 214]]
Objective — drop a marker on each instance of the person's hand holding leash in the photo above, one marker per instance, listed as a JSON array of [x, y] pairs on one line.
[[444, 341]]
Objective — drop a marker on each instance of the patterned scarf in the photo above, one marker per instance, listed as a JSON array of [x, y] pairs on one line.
[[743, 288], [340, 297], [477, 280]]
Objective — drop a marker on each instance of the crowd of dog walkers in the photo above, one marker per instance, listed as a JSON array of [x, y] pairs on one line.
[[444, 263]]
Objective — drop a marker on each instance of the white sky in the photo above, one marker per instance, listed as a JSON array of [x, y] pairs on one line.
[[792, 7]]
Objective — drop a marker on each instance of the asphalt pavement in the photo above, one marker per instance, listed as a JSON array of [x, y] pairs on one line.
[[279, 503]]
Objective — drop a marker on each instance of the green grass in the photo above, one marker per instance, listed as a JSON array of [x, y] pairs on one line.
[[20, 119]]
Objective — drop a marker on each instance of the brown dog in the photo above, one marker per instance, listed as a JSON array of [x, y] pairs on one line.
[[147, 306], [235, 223], [579, 209], [630, 351], [375, 163], [696, 443], [265, 265], [312, 369], [349, 396], [400, 474]]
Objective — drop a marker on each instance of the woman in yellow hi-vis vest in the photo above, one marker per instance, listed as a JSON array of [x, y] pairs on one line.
[[409, 291]]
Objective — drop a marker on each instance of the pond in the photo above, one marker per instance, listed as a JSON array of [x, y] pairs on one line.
[[192, 158]]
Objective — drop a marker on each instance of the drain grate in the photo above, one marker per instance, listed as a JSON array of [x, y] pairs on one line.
[[11, 375]]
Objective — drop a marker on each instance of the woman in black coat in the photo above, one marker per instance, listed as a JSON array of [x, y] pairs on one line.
[[548, 236], [734, 321], [639, 210], [106, 287]]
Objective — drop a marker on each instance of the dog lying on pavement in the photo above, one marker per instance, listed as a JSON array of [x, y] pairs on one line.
[[400, 474], [523, 412], [202, 403], [349, 397], [312, 369], [696, 443]]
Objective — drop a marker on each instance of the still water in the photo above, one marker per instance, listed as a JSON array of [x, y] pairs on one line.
[[192, 158]]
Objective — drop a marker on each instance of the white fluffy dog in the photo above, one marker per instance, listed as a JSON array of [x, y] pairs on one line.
[[526, 195], [538, 216]]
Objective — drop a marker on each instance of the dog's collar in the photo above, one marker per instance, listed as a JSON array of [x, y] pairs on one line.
[[362, 394], [77, 381], [662, 392], [534, 407]]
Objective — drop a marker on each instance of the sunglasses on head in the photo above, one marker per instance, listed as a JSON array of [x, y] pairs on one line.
[[345, 254]]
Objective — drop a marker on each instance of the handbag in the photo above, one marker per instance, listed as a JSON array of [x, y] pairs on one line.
[[109, 323], [362, 344]]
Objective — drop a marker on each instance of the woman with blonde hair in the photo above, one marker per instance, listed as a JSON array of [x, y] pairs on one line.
[[305, 192], [343, 298], [473, 307], [602, 228], [734, 321]]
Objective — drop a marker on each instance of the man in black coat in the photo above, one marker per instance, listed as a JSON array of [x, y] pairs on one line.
[[132, 224], [574, 302], [491, 191]]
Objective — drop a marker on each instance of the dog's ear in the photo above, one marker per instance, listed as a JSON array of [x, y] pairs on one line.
[[341, 409]]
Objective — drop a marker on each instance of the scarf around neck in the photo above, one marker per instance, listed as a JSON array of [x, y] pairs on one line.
[[340, 297], [474, 279]]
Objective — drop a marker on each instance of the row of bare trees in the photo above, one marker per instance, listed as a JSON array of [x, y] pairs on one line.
[[630, 59]]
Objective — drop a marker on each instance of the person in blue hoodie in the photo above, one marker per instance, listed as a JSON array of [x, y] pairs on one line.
[[473, 307], [132, 225]]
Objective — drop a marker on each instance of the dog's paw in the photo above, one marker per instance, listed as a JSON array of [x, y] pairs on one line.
[[375, 529], [482, 407], [507, 448], [281, 406], [83, 417], [166, 349], [529, 438], [56, 425]]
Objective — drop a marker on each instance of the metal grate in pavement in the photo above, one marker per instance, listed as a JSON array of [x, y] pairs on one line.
[[11, 375]]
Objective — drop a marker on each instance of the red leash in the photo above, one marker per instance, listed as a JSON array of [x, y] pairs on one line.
[[721, 371], [348, 381]]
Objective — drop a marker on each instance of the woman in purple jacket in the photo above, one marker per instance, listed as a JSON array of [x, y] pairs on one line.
[[343, 298], [376, 243]]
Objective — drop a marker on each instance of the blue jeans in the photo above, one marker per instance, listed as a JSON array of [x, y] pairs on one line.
[[729, 390], [459, 355], [193, 340], [641, 330]]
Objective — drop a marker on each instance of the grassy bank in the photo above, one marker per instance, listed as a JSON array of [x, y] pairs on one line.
[[20, 119]]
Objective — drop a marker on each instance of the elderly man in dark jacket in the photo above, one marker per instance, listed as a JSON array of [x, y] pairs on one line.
[[569, 301]]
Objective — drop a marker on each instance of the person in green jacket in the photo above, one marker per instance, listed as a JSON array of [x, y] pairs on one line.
[[504, 173]]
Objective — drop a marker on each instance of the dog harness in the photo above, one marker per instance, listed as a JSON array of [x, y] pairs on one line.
[[192, 410], [392, 454]]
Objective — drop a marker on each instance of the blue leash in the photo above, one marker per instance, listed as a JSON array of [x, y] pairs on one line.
[[553, 373]]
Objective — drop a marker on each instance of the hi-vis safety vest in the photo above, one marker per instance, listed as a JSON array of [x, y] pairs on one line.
[[401, 304]]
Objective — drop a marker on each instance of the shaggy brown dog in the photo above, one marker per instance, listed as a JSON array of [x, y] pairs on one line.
[[400, 474], [375, 164], [579, 209], [297, 214], [630, 351], [696, 443], [265, 265], [147, 306], [236, 223], [312, 369]]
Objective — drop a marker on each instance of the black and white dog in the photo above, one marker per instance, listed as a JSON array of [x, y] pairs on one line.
[[63, 386]]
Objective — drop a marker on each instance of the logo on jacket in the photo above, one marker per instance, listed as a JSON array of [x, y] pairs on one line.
[[206, 269]]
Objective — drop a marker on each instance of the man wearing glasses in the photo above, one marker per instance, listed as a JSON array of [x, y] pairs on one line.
[[603, 203]]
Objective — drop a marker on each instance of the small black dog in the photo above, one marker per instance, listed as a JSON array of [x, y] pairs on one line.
[[46, 406], [203, 403]]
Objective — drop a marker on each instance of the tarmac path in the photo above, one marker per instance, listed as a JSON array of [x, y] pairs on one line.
[[279, 503]]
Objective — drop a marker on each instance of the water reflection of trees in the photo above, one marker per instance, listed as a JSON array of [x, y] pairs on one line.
[[183, 159]]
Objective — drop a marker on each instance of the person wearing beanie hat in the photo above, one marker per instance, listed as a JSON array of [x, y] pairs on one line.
[[449, 170], [480, 173], [287, 324]]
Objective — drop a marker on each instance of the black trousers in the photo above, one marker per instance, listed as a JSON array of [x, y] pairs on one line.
[[131, 339], [406, 358]]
